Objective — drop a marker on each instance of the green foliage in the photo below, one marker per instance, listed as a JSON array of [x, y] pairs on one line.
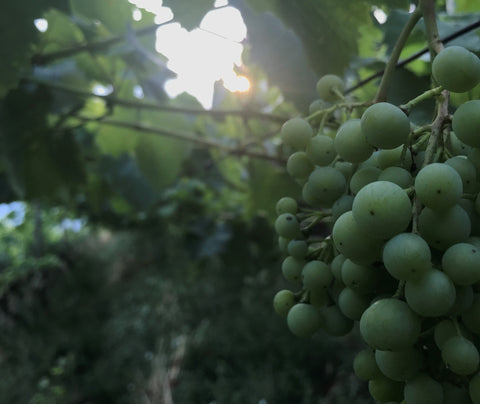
[[187, 13]]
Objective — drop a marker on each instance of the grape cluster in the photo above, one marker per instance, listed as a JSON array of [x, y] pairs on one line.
[[386, 237]]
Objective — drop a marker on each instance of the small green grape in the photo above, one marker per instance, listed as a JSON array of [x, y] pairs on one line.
[[283, 301], [365, 366], [329, 86], [287, 226], [350, 142], [316, 275], [292, 269], [299, 165], [466, 123], [297, 248], [460, 355], [286, 205], [304, 320], [296, 132], [423, 389], [320, 150]]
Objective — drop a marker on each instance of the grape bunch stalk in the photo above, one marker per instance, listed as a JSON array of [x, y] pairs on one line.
[[386, 236]]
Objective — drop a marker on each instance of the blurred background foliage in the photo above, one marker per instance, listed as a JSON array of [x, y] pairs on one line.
[[137, 257]]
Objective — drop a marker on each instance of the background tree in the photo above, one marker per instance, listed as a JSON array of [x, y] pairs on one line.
[[141, 263]]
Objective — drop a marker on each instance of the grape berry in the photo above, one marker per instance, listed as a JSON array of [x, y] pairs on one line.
[[399, 248]]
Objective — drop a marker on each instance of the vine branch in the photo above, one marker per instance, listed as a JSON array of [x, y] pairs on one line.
[[233, 150]]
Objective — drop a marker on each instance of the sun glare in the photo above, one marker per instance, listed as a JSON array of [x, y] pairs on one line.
[[204, 55]]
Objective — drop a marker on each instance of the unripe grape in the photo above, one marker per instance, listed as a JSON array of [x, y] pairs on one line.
[[297, 248], [296, 132], [287, 226], [328, 86], [304, 320], [431, 295], [456, 69], [400, 365], [385, 125], [389, 324], [316, 275], [365, 366], [361, 278], [320, 150], [465, 168], [383, 389], [466, 123], [460, 355], [327, 184], [382, 209], [352, 303], [423, 389], [286, 205], [397, 175], [350, 143], [283, 301], [336, 266], [341, 205], [292, 269], [474, 388], [299, 165], [438, 186], [471, 317], [461, 262], [335, 322]]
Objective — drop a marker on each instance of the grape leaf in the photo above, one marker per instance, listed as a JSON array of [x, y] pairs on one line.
[[189, 13]]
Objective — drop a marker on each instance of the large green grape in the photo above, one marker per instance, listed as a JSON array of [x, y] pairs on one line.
[[431, 295], [397, 175], [361, 278], [296, 132], [304, 320], [461, 262], [287, 226], [286, 205], [407, 256], [456, 69], [389, 324], [329, 86], [382, 209], [320, 150], [385, 125], [316, 275], [352, 303], [350, 142], [466, 123], [327, 184], [400, 365], [438, 186], [460, 355], [292, 269], [423, 389], [363, 176]]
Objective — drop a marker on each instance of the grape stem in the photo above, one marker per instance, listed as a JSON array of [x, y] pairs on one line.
[[407, 108], [399, 292], [397, 50], [327, 111]]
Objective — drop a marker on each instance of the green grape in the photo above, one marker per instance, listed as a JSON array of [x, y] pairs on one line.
[[385, 125], [407, 256], [372, 161], [336, 266], [296, 132], [352, 303], [466, 123], [455, 394], [390, 324], [335, 322], [461, 262], [351, 144], [383, 389], [327, 184], [297, 248], [438, 186], [471, 316], [474, 388], [397, 175], [299, 165], [320, 150], [418, 160], [393, 157], [329, 86], [445, 228], [286, 205], [304, 320], [466, 170], [309, 196], [341, 205], [431, 295], [287, 226], [456, 69], [361, 278], [457, 147], [292, 269], [422, 389], [283, 301], [353, 242], [316, 275], [382, 208], [362, 177], [460, 355], [400, 365], [364, 365]]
